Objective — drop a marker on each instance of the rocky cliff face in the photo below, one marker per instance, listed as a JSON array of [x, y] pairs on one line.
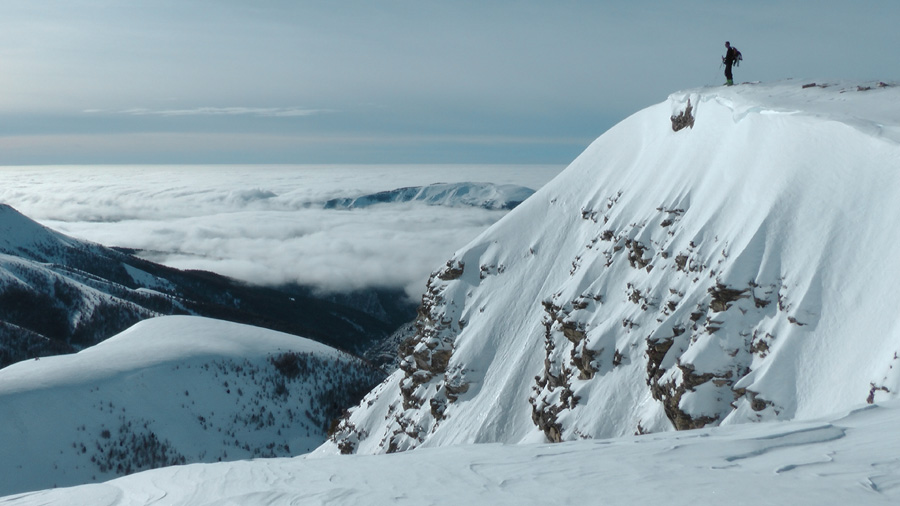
[[668, 279], [427, 383]]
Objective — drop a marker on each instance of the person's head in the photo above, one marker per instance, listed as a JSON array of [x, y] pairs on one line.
[[727, 44]]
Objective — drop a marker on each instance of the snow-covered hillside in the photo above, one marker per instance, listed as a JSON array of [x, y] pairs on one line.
[[848, 458], [722, 257], [170, 390], [484, 195]]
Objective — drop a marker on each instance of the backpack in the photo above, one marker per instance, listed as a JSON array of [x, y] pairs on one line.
[[737, 57]]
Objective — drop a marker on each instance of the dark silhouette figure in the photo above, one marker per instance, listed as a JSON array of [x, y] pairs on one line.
[[728, 60]]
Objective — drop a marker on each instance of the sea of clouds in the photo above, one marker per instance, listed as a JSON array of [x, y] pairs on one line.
[[266, 224]]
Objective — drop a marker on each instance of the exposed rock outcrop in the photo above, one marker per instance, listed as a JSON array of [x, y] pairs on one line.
[[430, 382], [683, 119]]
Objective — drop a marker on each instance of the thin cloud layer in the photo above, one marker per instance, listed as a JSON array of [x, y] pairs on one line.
[[265, 112], [265, 225]]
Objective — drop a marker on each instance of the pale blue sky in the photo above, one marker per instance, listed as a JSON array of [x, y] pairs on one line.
[[226, 81]]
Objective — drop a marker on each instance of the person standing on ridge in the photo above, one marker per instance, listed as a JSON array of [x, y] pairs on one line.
[[728, 60]]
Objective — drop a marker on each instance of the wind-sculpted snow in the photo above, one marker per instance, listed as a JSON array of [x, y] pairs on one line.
[[484, 195], [168, 391], [840, 460], [735, 270]]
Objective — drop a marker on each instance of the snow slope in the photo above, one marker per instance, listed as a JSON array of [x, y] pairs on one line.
[[169, 390], [485, 195], [20, 235], [735, 270], [840, 460]]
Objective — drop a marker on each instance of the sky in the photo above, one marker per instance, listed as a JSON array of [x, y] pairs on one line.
[[395, 81]]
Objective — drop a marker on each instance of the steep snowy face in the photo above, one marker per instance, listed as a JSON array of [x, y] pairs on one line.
[[721, 257]]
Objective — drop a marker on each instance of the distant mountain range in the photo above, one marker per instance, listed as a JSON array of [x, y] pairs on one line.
[[484, 195]]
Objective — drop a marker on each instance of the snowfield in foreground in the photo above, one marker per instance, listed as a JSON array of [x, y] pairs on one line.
[[169, 390], [844, 459]]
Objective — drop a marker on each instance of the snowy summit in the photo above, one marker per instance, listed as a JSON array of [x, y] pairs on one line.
[[717, 258]]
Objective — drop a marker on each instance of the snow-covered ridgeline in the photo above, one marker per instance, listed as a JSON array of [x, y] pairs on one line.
[[169, 390], [484, 195], [734, 270]]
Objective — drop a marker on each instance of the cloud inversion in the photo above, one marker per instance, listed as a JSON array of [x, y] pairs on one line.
[[265, 224]]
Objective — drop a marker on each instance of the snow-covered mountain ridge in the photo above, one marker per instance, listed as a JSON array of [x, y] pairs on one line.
[[170, 390], [484, 195], [721, 257], [59, 294]]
